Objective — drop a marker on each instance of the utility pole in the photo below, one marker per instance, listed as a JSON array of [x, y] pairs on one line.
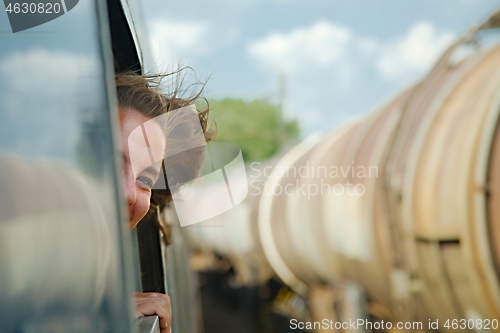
[[282, 98]]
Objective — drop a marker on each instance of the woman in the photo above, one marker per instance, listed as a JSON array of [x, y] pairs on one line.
[[139, 101]]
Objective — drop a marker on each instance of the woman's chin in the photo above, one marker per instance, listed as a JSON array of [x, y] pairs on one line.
[[133, 220], [132, 224]]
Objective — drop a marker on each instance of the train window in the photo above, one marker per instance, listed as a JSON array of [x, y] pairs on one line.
[[127, 36], [63, 255]]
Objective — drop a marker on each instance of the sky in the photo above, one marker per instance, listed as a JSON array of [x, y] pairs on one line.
[[327, 60]]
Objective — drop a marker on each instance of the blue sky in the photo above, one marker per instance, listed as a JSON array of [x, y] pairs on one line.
[[338, 58]]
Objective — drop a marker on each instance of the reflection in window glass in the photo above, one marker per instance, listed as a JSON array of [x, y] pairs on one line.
[[60, 258]]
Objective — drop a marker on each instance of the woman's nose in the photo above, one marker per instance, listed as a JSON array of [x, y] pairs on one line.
[[130, 188]]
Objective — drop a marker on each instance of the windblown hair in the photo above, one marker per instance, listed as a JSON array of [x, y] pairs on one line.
[[143, 92]]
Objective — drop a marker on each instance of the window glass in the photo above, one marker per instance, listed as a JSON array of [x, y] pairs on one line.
[[61, 250]]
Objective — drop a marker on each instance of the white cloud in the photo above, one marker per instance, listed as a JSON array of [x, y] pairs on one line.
[[334, 48], [321, 44], [328, 66], [322, 47], [413, 53], [177, 39], [41, 64], [23, 77], [320, 62]]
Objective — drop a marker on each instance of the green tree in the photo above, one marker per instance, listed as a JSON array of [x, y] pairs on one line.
[[256, 126]]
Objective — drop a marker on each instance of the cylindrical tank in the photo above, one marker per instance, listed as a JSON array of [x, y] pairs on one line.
[[443, 189], [234, 234], [404, 202]]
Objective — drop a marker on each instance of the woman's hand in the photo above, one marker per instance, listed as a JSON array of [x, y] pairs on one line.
[[154, 303]]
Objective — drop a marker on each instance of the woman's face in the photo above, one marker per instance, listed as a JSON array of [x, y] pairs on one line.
[[140, 172]]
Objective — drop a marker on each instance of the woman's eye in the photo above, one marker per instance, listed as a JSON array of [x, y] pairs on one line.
[[145, 182]]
